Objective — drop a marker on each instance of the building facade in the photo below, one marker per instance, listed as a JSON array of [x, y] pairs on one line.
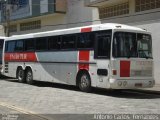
[[29, 16]]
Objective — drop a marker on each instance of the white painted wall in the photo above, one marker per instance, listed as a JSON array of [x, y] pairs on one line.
[[78, 13]]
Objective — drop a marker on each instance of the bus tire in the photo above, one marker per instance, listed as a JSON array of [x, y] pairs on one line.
[[21, 75], [84, 82], [29, 77]]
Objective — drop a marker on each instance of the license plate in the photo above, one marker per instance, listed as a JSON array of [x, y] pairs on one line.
[[138, 85]]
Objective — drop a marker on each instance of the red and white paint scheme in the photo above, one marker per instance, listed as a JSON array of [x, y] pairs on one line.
[[111, 56]]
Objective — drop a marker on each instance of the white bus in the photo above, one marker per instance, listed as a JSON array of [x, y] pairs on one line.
[[111, 56]]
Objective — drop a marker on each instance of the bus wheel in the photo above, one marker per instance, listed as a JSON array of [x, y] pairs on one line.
[[29, 77], [84, 82], [21, 75]]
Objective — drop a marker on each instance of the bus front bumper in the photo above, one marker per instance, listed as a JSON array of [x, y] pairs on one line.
[[131, 84]]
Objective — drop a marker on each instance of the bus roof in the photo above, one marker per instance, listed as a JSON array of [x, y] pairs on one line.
[[106, 26], [2, 37]]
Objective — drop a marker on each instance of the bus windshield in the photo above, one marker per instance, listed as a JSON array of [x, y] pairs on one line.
[[134, 45]]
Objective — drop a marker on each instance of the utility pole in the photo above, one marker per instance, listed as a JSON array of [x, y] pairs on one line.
[[7, 17], [8, 22]]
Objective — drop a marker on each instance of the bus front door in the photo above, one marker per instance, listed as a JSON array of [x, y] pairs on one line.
[[102, 56]]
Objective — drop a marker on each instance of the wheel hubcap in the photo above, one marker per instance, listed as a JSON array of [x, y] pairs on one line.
[[20, 75], [84, 81], [29, 76]]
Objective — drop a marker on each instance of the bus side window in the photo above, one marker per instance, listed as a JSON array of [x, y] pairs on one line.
[[85, 40], [54, 43], [11, 46], [41, 43], [6, 46], [30, 45], [19, 45], [68, 42]]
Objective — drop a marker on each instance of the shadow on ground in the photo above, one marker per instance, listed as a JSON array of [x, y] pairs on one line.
[[130, 94]]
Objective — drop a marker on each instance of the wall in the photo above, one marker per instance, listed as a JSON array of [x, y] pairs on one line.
[[78, 13]]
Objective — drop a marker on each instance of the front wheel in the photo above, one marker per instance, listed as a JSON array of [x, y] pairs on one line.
[[29, 77], [84, 82]]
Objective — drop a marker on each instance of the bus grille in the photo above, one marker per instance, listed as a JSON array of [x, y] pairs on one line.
[[141, 73]]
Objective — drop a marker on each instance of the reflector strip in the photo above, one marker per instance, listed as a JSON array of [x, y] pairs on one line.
[[124, 68]]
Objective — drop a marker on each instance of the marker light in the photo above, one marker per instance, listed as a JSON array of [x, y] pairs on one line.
[[114, 72]]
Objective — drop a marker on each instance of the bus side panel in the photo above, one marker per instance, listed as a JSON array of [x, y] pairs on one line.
[[11, 69], [62, 66]]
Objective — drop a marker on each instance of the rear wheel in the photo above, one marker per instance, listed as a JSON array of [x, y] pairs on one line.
[[21, 75], [29, 77], [84, 82]]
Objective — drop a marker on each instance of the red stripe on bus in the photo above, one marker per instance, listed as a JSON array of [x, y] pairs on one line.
[[86, 29], [125, 68], [20, 57], [84, 57]]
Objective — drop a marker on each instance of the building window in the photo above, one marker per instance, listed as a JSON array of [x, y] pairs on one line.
[[30, 25], [142, 5], [13, 28], [116, 10]]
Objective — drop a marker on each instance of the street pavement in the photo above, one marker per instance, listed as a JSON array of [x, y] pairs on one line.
[[48, 98], [8, 113]]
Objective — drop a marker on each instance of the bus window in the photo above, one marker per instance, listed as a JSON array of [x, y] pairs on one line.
[[19, 45], [54, 43], [85, 40], [1, 49], [68, 42], [144, 45], [124, 45], [1, 44], [103, 46], [11, 46], [29, 45], [41, 43]]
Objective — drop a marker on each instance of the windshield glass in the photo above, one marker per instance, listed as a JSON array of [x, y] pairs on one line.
[[144, 46], [128, 45]]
